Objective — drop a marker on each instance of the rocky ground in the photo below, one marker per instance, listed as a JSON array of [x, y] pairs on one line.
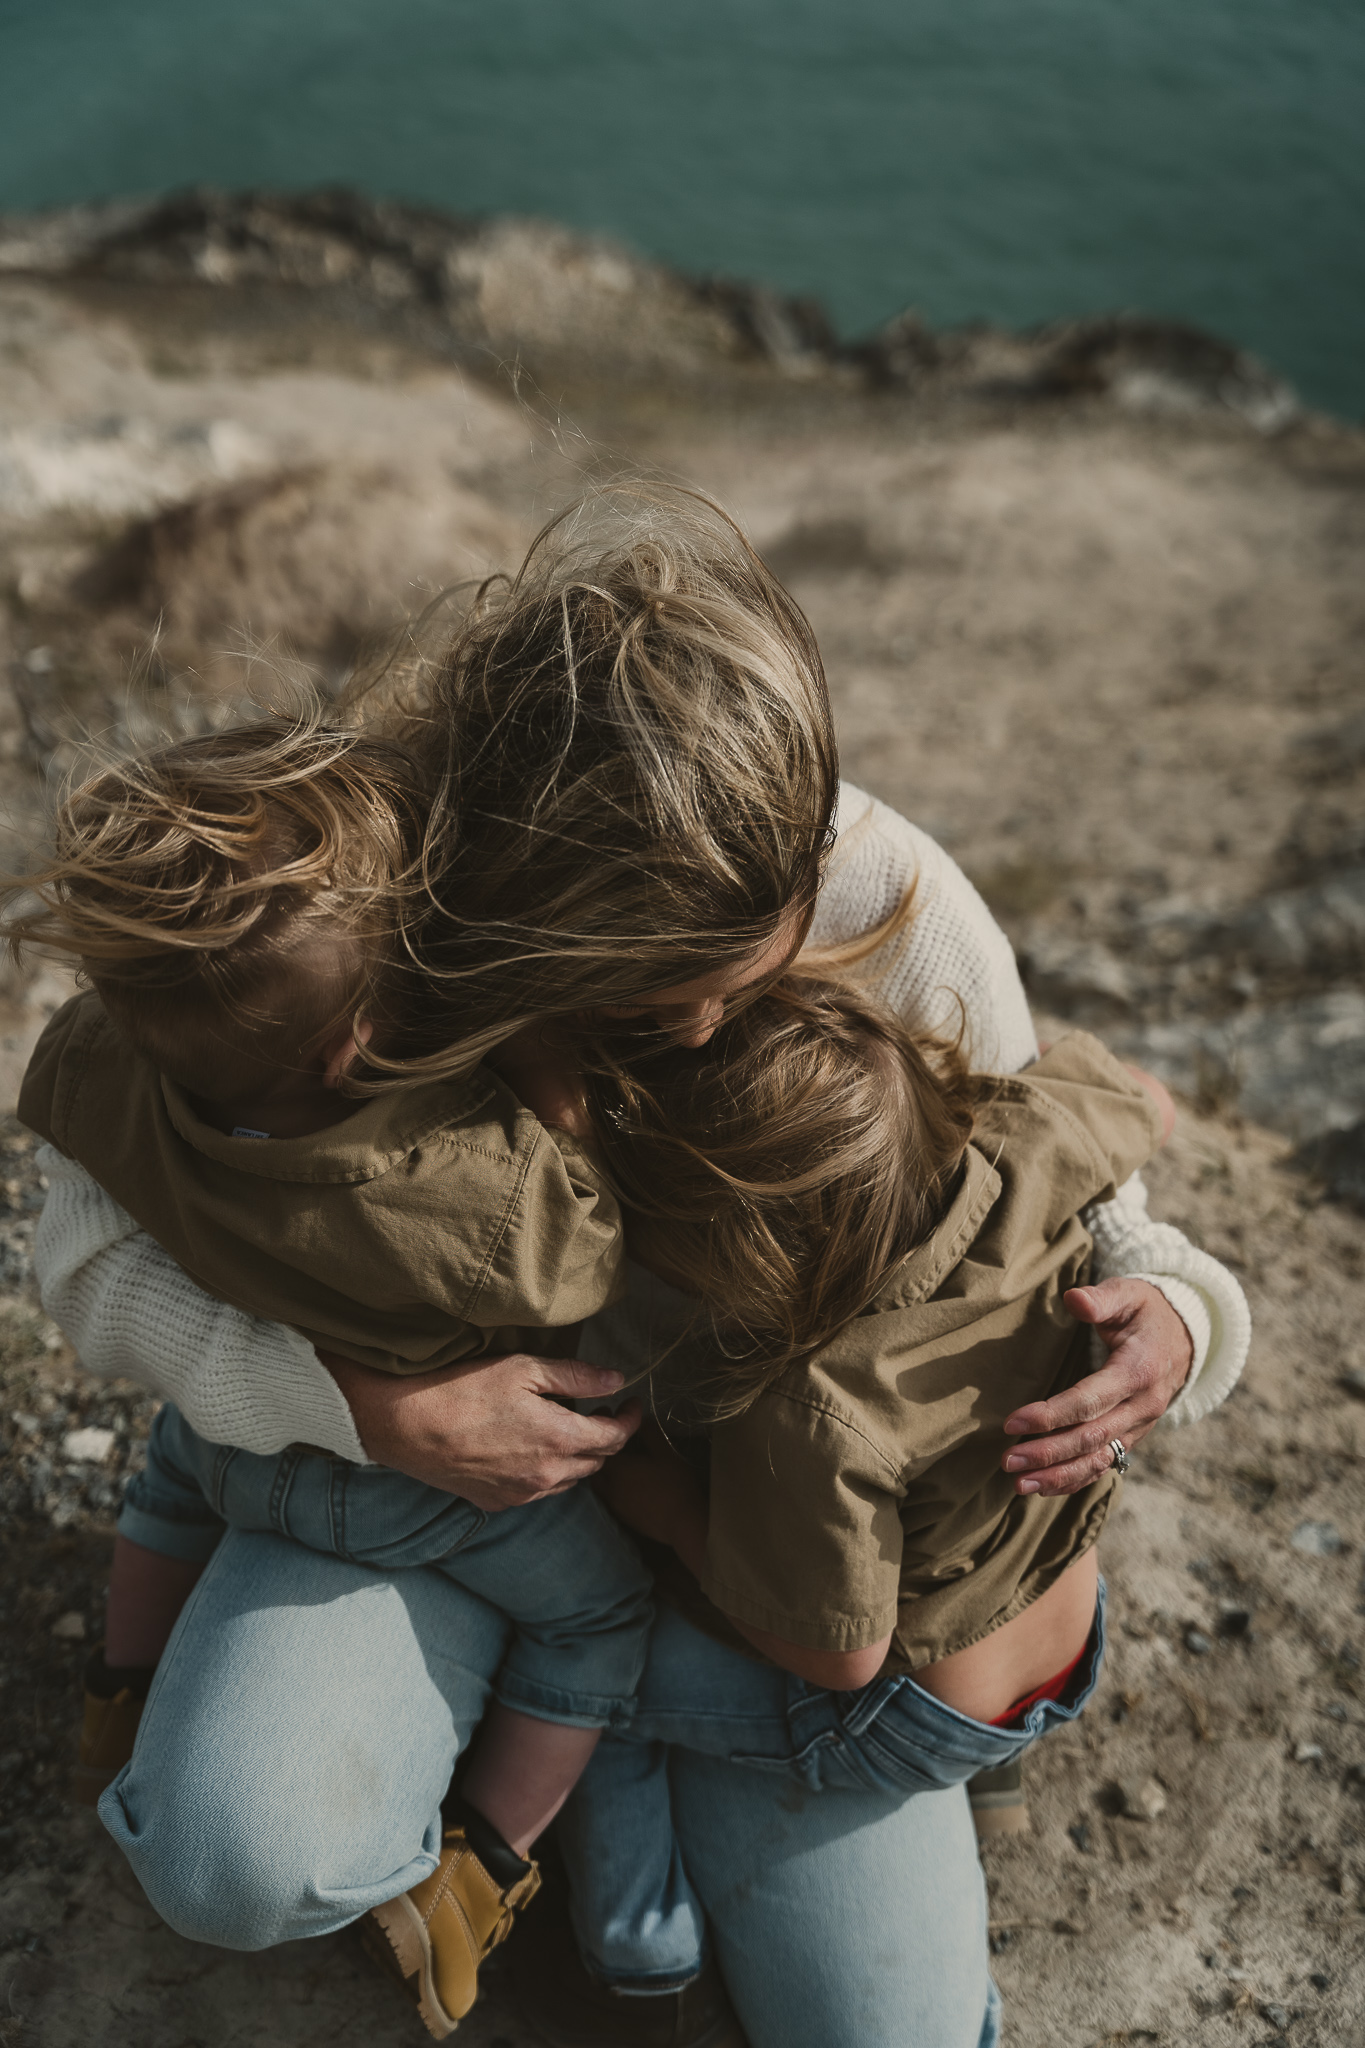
[[1093, 612]]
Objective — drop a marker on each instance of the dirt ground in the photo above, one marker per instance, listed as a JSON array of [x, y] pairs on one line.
[[1111, 654]]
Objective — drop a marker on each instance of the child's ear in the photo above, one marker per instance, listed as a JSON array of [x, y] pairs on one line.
[[341, 1055]]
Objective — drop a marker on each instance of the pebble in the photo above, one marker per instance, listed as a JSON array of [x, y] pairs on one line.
[[1080, 1835], [1197, 1643], [1307, 1753], [1276, 2015], [1353, 1382], [89, 1446], [1143, 1798], [1316, 1539], [69, 1628]]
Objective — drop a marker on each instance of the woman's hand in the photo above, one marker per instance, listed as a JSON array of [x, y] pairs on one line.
[[494, 1432], [655, 1493], [1150, 1354]]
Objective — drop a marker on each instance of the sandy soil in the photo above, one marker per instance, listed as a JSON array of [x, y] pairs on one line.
[[1112, 658]]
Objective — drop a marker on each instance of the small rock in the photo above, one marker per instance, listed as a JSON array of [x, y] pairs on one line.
[[1235, 1623], [1320, 1980], [1275, 2014], [1197, 1643], [1335, 1711], [87, 1446], [1067, 976], [1143, 1798], [1080, 1835], [1352, 1382], [1307, 1753], [1355, 1776], [1316, 1539], [69, 1628]]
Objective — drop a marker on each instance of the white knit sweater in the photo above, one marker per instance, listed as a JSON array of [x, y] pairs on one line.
[[131, 1312]]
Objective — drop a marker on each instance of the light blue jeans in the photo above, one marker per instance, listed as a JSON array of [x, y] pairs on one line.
[[640, 1924], [301, 1732], [565, 1573]]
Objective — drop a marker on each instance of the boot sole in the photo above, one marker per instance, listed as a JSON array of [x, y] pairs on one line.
[[1002, 1820], [408, 1956]]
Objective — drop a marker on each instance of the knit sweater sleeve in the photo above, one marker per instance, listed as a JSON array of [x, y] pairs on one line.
[[952, 967], [131, 1313]]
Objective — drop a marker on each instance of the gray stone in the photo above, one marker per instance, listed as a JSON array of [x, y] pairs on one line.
[[88, 1446], [1298, 1066], [1318, 930], [1197, 1643], [1075, 977], [1316, 1539], [1142, 1798], [1307, 1753]]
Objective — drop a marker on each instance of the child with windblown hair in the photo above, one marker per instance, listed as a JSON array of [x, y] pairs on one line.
[[236, 903], [885, 1244]]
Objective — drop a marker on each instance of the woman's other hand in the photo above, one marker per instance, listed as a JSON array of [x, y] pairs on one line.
[[495, 1432], [1150, 1354]]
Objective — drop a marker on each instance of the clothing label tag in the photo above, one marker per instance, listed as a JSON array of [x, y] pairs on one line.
[[241, 1131]]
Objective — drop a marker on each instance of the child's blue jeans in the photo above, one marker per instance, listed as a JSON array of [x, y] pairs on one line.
[[637, 1918], [567, 1576]]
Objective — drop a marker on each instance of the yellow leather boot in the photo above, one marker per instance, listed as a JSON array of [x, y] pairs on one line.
[[438, 1933], [109, 1728], [999, 1805]]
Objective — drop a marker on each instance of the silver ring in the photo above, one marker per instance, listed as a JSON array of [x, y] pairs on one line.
[[1121, 1458]]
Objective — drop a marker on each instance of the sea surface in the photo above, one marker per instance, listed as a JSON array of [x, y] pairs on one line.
[[1016, 160]]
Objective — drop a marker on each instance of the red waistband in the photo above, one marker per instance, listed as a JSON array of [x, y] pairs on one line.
[[1053, 1690]]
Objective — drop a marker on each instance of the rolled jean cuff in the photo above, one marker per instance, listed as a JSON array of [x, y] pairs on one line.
[[648, 1983], [570, 1708], [193, 1538]]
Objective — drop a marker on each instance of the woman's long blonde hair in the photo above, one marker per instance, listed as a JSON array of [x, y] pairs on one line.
[[635, 773]]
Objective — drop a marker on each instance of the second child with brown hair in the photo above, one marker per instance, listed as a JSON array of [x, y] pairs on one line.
[[886, 1245]]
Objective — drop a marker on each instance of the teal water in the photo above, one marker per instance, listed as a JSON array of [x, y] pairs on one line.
[[1009, 159]]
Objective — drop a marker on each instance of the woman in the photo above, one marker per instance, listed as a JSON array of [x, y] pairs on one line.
[[307, 1715]]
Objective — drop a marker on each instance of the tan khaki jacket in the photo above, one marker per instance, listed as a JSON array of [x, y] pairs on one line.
[[438, 1223], [862, 1493]]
